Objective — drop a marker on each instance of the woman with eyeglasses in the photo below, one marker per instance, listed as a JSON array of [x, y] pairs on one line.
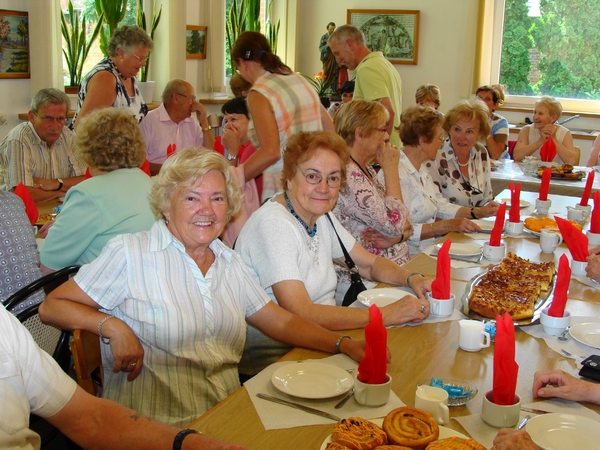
[[461, 169], [496, 141], [112, 81], [431, 214], [289, 245]]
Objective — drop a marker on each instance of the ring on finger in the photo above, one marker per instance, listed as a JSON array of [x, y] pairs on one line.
[[132, 364], [423, 308]]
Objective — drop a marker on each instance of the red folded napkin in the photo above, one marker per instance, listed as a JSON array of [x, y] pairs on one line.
[[440, 287], [588, 189], [219, 147], [548, 150], [514, 215], [576, 241], [595, 217], [561, 288], [372, 368], [546, 175], [505, 367], [171, 149], [498, 226], [30, 208]]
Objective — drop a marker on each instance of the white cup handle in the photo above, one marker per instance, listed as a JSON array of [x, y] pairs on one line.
[[486, 342], [436, 308], [445, 414], [559, 239]]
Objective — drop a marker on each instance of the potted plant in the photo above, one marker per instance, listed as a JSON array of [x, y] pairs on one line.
[[147, 87], [77, 45], [321, 86], [112, 12]]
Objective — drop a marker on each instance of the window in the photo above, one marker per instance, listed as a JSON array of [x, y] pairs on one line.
[[548, 47]]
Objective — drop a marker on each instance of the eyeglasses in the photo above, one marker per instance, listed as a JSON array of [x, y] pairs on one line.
[[50, 119], [144, 60], [467, 186], [191, 97], [333, 181]]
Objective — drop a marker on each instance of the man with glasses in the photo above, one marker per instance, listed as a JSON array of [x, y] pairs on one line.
[[40, 153], [170, 128]]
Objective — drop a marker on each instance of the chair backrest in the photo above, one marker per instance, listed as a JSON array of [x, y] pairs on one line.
[[578, 155], [511, 148], [216, 122], [87, 359]]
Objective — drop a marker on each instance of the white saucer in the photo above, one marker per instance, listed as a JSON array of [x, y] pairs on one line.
[[312, 380], [586, 333], [383, 296], [556, 431], [461, 249]]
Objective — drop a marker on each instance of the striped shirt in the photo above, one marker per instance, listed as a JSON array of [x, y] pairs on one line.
[[25, 155], [192, 327]]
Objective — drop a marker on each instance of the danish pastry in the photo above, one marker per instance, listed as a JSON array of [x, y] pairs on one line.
[[392, 447], [358, 434], [411, 427], [336, 446], [455, 443]]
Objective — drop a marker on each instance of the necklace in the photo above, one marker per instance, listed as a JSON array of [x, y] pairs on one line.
[[361, 169], [311, 232]]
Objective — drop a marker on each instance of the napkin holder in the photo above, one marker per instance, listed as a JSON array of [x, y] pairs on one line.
[[591, 367]]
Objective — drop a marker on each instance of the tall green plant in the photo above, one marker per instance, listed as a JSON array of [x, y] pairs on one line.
[[113, 12], [77, 44], [141, 22], [271, 31]]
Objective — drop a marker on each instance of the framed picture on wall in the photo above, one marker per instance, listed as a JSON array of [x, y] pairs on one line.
[[395, 33], [14, 44], [195, 42]]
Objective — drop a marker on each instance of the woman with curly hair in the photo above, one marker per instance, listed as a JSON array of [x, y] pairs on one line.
[[114, 201]]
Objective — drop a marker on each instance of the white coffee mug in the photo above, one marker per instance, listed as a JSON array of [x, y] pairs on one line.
[[472, 336], [372, 394], [593, 239], [542, 206], [440, 307], [577, 214], [549, 240], [493, 253], [578, 268], [514, 228], [435, 401]]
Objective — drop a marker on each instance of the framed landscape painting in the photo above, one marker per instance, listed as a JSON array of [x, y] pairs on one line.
[[195, 42], [395, 33], [14, 44]]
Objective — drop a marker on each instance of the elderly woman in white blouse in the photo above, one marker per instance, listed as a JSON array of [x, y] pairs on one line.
[[432, 215]]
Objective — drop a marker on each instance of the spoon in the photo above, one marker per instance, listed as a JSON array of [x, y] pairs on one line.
[[563, 337], [524, 422], [343, 401]]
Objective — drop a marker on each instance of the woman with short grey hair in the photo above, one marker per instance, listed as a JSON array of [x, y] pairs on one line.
[[112, 81]]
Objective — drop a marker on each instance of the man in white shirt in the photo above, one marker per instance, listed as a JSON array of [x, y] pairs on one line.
[[170, 128]]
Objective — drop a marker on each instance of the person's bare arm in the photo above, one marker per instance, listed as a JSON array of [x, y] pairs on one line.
[[565, 149], [101, 93], [95, 423], [40, 195], [593, 159], [44, 189], [511, 439], [387, 103], [388, 158], [496, 145], [267, 133], [326, 120], [523, 148]]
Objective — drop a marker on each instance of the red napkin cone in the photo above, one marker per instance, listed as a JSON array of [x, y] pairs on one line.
[[440, 287], [588, 189], [546, 175], [576, 241], [514, 215], [561, 288], [595, 217], [30, 208], [505, 367], [548, 150], [498, 226], [372, 369]]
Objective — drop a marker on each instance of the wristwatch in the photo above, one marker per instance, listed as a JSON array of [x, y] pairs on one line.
[[208, 128], [60, 184], [231, 157]]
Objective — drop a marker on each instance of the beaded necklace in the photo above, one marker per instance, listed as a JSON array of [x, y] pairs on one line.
[[311, 232]]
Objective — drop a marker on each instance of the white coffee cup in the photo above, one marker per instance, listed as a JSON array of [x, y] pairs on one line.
[[554, 326], [435, 401], [493, 253], [440, 307], [593, 239], [500, 416], [472, 336], [513, 228], [587, 208], [577, 214], [549, 240], [578, 268], [372, 394], [542, 206]]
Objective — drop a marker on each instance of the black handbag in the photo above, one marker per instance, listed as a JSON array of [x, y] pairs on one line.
[[356, 283]]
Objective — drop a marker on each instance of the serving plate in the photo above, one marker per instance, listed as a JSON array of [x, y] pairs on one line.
[[543, 301], [382, 296], [574, 176], [455, 400], [586, 333], [555, 431], [461, 249], [312, 380], [444, 433], [485, 225], [523, 203]]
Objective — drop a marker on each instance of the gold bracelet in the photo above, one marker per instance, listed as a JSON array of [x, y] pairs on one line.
[[432, 229], [208, 128]]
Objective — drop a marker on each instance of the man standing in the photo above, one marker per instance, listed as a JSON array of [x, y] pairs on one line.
[[376, 78], [170, 128], [40, 153]]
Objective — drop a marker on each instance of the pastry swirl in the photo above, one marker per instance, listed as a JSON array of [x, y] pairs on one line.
[[455, 443], [411, 427], [358, 434]]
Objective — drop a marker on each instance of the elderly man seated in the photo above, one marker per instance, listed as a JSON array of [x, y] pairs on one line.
[[170, 127], [40, 153]]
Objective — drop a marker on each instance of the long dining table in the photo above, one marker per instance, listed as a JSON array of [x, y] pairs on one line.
[[418, 352]]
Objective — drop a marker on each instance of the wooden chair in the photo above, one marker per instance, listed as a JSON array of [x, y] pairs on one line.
[[216, 122], [578, 155], [87, 359]]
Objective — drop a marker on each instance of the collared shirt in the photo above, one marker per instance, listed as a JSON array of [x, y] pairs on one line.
[[25, 155], [165, 137], [192, 327]]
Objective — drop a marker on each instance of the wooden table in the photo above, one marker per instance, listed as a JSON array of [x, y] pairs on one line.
[[512, 171], [417, 353]]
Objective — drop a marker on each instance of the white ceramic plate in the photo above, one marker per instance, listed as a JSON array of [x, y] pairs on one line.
[[444, 433], [462, 249], [381, 297], [535, 233], [586, 333], [312, 380], [485, 225], [556, 431], [524, 203]]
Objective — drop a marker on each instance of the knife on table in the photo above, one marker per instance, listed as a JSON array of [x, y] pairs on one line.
[[298, 406], [535, 411]]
